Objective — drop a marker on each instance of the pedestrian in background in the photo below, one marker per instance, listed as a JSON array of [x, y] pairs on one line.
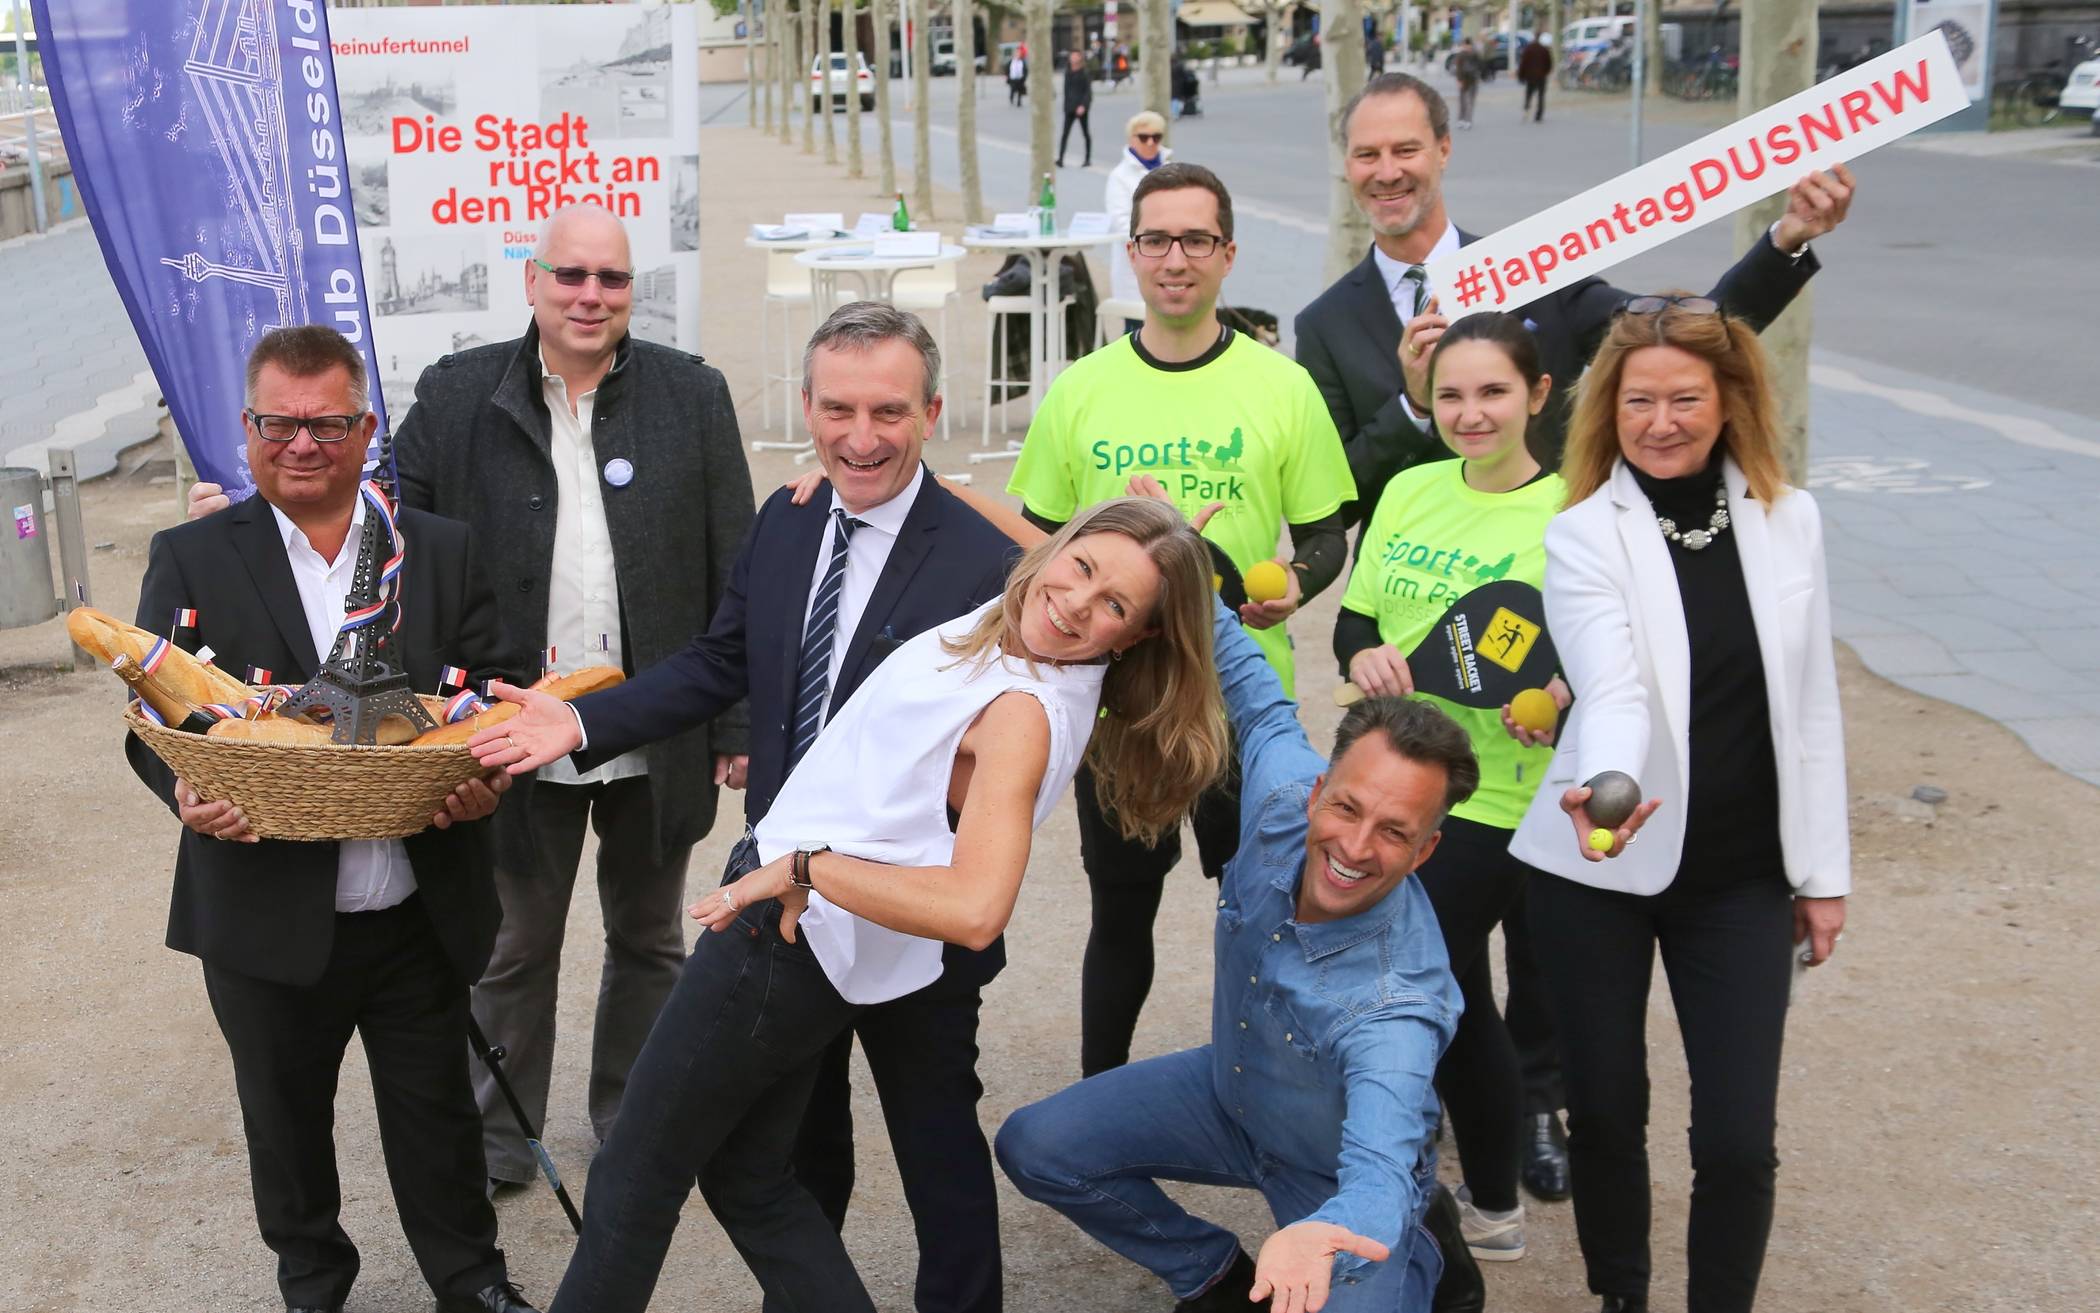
[[1687, 597], [1079, 98], [1534, 65], [1146, 150], [1017, 77], [1465, 66]]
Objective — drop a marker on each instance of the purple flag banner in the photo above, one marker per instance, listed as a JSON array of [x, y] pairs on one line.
[[207, 143]]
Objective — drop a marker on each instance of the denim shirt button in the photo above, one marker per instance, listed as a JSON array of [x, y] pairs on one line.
[[1286, 1037], [1235, 1069], [1277, 938], [1221, 902], [1243, 1025], [1254, 980]]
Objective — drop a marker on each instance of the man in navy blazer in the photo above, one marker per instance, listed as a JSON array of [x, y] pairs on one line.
[[1372, 363], [915, 557]]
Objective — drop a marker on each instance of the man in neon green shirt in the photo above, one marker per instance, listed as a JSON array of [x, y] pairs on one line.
[[1218, 420]]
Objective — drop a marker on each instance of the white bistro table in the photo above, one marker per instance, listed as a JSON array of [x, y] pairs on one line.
[[876, 274], [1046, 311], [787, 246]]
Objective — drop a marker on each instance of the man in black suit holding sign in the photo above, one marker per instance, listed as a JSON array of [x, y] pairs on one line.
[[1367, 342], [303, 943], [888, 553]]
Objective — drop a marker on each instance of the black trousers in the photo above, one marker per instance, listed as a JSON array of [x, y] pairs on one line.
[[1472, 882], [1534, 87], [718, 1096], [1528, 1016], [1016, 88], [1125, 881], [388, 980], [922, 1051], [1086, 134], [1727, 952]]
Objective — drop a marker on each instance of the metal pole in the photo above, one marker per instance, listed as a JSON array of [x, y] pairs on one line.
[[36, 158], [72, 541], [1640, 74]]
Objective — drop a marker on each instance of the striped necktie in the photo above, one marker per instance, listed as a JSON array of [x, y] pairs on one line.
[[813, 676], [1420, 292]]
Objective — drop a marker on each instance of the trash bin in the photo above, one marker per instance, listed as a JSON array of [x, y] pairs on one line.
[[26, 593]]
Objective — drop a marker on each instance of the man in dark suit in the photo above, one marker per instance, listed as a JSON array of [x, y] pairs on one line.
[[303, 943], [885, 555], [1371, 360], [1374, 374]]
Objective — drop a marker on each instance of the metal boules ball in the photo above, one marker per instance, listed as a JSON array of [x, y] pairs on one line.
[[1613, 796]]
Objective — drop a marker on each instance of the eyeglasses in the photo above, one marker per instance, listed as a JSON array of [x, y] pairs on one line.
[[1196, 246], [570, 275], [283, 428], [1150, 138], [1655, 305]]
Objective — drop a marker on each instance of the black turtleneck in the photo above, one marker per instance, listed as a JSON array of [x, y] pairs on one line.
[[1732, 799]]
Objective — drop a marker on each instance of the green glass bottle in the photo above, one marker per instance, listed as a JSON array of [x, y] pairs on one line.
[[1046, 203], [900, 218]]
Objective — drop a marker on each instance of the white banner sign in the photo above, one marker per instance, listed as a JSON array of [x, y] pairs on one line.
[[1883, 100], [467, 127]]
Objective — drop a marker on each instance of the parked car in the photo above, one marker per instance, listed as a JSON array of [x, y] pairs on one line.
[[863, 81], [2082, 92], [942, 63], [1305, 50]]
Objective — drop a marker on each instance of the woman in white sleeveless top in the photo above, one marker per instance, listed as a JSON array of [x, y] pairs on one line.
[[906, 826]]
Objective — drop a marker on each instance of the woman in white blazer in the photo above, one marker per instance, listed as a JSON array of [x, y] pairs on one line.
[[1145, 150], [1686, 594]]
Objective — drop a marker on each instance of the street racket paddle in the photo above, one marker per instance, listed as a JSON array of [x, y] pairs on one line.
[[1491, 645]]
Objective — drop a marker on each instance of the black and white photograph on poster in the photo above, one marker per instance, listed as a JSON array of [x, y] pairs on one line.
[[427, 275], [368, 188], [618, 75], [1967, 27], [374, 93], [655, 317], [685, 203]]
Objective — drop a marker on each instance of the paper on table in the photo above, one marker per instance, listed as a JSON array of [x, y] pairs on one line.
[[817, 221], [1015, 219], [869, 225], [777, 232], [1090, 223], [893, 244]]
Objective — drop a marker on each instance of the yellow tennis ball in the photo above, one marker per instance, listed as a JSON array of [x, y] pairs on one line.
[[1266, 582], [1217, 581], [1601, 840], [1534, 709]]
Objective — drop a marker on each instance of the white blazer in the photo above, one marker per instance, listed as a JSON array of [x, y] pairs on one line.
[[1122, 185], [1613, 609]]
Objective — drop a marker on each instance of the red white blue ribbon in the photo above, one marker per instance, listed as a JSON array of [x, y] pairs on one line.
[[462, 705]]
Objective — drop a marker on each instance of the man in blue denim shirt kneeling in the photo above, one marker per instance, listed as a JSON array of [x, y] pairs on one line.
[[1332, 1005]]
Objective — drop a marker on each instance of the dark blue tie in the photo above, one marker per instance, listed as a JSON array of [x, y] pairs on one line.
[[813, 677]]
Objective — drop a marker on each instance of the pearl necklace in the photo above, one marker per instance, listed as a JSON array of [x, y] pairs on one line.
[[1696, 540]]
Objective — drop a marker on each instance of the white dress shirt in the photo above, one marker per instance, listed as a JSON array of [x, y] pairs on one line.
[[867, 551], [583, 592], [370, 874], [1403, 294]]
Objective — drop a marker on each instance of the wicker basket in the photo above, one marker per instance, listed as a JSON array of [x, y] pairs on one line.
[[314, 790]]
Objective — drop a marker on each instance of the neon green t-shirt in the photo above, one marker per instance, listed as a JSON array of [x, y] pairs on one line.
[[1432, 540], [1244, 425]]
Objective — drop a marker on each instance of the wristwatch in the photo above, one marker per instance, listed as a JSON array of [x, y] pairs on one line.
[[798, 869]]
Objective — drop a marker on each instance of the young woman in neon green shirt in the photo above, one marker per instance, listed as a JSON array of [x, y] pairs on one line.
[[1440, 530]]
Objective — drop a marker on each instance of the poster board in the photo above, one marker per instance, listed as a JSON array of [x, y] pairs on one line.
[[466, 127]]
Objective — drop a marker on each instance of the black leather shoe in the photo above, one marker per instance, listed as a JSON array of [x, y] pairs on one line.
[[503, 1297], [1623, 1304], [314, 1308], [1545, 1169], [1228, 1292], [1461, 1289]]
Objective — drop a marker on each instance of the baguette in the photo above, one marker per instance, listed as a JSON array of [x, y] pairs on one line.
[[180, 673], [567, 687], [394, 731]]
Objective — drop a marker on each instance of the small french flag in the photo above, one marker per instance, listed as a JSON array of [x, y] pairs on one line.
[[186, 617], [547, 661], [451, 677], [258, 676]]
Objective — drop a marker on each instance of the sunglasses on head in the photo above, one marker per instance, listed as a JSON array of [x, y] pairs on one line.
[[1655, 305], [1153, 138], [570, 275]]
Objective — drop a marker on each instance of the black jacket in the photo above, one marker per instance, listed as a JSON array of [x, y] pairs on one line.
[[1079, 89], [476, 448], [1349, 341], [267, 909]]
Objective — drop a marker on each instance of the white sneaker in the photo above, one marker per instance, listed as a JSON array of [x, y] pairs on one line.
[[1492, 1237]]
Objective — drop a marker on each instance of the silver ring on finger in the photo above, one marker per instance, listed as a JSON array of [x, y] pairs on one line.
[[729, 900]]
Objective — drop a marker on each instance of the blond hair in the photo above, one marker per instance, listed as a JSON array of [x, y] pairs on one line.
[[1149, 119], [1161, 737], [1729, 347]]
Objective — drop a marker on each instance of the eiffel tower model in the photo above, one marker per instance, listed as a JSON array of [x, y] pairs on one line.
[[359, 685]]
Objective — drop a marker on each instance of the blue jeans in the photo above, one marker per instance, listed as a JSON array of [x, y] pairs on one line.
[[717, 1097], [1096, 1151]]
